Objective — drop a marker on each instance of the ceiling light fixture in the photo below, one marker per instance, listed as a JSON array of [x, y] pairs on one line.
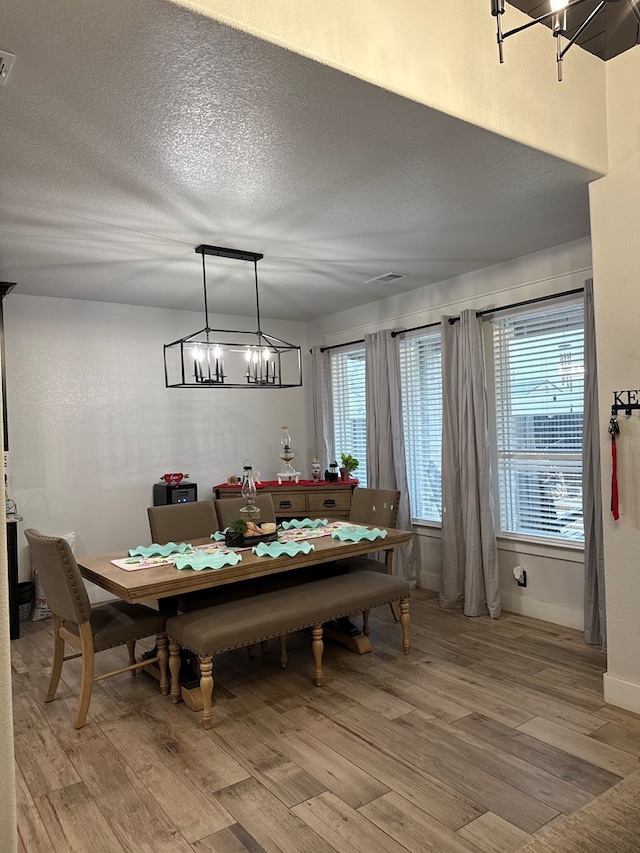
[[223, 358], [557, 17]]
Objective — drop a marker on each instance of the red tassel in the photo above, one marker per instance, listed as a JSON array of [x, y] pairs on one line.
[[614, 479]]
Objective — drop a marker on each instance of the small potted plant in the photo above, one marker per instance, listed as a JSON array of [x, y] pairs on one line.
[[241, 532], [349, 465], [235, 533]]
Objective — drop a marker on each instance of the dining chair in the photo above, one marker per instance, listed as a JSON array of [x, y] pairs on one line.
[[228, 509], [183, 523], [379, 508], [89, 629]]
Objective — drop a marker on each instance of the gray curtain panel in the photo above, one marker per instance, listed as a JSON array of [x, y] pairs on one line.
[[469, 549], [386, 463], [595, 631], [322, 403]]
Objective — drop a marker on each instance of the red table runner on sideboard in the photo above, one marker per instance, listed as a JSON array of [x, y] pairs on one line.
[[290, 485]]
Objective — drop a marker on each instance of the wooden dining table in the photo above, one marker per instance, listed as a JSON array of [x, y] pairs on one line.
[[160, 581]]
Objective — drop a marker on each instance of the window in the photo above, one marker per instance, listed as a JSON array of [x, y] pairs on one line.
[[421, 377], [539, 379], [349, 407]]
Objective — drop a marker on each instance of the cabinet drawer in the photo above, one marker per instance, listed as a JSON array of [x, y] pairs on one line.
[[289, 503], [326, 503]]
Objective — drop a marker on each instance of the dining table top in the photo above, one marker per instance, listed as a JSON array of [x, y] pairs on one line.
[[160, 581]]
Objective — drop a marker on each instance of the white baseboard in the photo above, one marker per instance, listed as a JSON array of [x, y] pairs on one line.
[[429, 580], [559, 614], [624, 694]]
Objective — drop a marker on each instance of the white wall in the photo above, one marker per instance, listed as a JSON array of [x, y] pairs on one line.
[[615, 218], [444, 55], [92, 427], [554, 575]]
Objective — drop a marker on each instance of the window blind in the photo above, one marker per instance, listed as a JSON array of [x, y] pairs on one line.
[[421, 377], [349, 407], [539, 383]]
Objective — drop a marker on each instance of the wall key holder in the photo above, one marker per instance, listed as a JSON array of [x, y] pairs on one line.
[[625, 401]]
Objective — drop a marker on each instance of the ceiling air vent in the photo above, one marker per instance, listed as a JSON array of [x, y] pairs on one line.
[[385, 279]]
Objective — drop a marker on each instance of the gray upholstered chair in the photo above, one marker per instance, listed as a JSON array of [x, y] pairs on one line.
[[89, 629], [182, 522], [378, 507], [228, 509]]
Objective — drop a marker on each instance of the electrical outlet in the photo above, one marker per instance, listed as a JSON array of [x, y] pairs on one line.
[[6, 61], [523, 580]]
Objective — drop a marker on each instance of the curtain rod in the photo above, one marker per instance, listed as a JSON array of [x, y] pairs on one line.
[[453, 320], [347, 344], [415, 328]]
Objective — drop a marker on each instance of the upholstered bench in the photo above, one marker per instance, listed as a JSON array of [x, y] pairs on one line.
[[244, 621]]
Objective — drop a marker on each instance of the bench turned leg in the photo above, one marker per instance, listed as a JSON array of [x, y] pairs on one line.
[[206, 688], [163, 661], [174, 668], [317, 647], [365, 622], [404, 622], [283, 651]]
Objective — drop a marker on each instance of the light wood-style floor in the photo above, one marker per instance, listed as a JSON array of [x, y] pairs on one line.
[[489, 732]]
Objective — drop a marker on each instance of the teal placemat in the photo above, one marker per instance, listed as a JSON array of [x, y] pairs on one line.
[[155, 550], [200, 561], [358, 534], [299, 523], [282, 549]]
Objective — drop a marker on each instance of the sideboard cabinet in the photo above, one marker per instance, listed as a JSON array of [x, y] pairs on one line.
[[291, 500]]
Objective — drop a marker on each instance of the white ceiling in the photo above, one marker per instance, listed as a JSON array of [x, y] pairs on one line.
[[130, 132]]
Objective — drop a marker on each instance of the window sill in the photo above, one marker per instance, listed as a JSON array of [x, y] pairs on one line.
[[571, 552]]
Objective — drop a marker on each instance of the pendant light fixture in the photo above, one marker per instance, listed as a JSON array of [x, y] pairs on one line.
[[224, 358], [557, 18]]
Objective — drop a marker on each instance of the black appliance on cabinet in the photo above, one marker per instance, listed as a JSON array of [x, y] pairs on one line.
[[174, 493]]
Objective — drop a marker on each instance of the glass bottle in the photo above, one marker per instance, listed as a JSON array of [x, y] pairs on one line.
[[287, 453], [250, 510]]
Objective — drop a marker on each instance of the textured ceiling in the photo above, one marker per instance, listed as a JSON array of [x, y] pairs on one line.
[[132, 132], [615, 29]]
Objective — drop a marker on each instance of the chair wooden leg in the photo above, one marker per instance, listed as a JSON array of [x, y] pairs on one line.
[[175, 662], [88, 671], [283, 651], [58, 659], [365, 622], [404, 622], [206, 688], [131, 646], [317, 647], [163, 662], [395, 610]]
